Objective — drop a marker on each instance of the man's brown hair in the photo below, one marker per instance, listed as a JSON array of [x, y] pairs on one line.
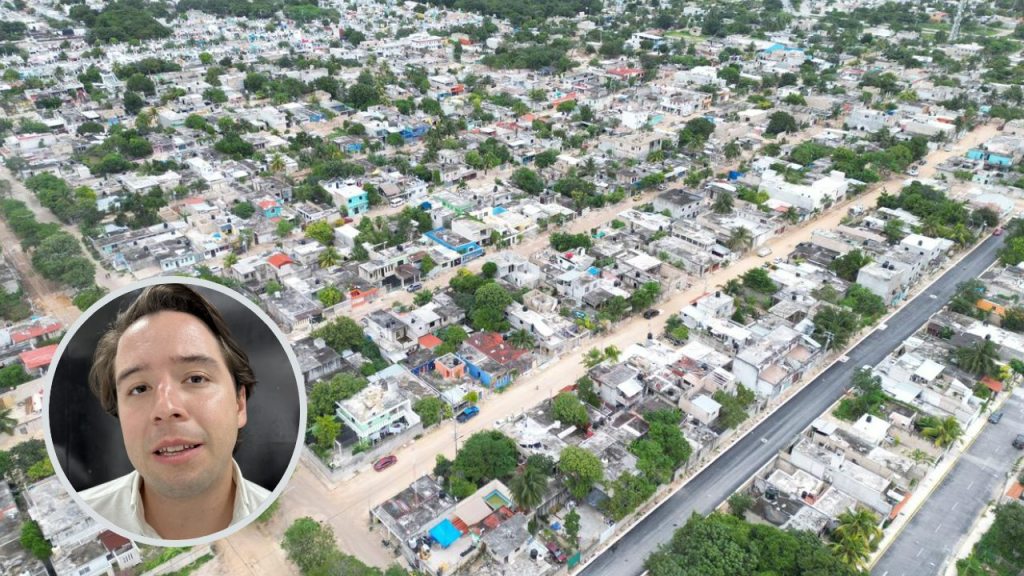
[[166, 298]]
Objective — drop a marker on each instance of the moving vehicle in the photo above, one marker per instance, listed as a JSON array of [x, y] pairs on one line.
[[651, 313], [556, 552], [997, 232], [396, 202], [995, 417], [414, 287], [1018, 442], [385, 462], [764, 251], [468, 413]]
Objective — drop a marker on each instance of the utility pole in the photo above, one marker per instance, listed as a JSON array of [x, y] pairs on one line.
[[954, 32]]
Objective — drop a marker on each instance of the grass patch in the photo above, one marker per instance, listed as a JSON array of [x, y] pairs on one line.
[[162, 556]]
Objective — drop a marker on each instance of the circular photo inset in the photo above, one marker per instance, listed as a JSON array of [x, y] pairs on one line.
[[174, 411]]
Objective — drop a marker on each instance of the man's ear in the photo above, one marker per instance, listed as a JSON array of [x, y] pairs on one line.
[[241, 401]]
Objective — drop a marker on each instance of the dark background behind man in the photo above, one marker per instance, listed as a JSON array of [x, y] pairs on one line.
[[88, 440]]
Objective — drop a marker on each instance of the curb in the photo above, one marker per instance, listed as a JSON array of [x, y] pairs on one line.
[[923, 288]]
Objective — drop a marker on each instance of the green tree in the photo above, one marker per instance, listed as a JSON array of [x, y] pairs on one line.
[[7, 422], [33, 541], [342, 334], [848, 265], [582, 470], [740, 239], [326, 429], [944, 432], [321, 231], [432, 410], [328, 258], [490, 301], [528, 181], [893, 230], [427, 264], [486, 456], [979, 358], [325, 393], [329, 296], [834, 326], [572, 527], [13, 375], [284, 228], [739, 503], [757, 279], [567, 408], [528, 487], [522, 339], [310, 545], [780, 122], [593, 357]]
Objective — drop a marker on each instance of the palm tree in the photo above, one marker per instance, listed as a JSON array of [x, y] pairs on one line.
[[860, 524], [276, 163], [733, 287], [230, 260], [740, 239], [978, 359], [612, 353], [593, 357], [851, 551], [328, 258], [522, 339], [7, 422], [722, 204], [528, 487], [792, 215], [944, 432]]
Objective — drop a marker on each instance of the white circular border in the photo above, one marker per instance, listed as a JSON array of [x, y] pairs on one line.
[[299, 382]]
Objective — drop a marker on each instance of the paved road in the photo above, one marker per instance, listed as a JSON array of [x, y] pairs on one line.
[[719, 480], [933, 535]]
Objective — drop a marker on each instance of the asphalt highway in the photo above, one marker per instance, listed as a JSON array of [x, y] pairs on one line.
[[718, 481]]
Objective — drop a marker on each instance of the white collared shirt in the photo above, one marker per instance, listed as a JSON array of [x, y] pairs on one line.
[[120, 501]]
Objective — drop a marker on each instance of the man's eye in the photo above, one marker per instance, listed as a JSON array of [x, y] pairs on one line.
[[136, 390], [197, 379]]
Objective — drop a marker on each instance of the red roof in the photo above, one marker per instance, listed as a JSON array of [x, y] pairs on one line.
[[493, 345], [38, 358], [112, 541], [278, 260], [899, 506], [992, 384], [566, 98], [1015, 491], [626, 72], [430, 341], [193, 201], [268, 204], [465, 41], [35, 331]]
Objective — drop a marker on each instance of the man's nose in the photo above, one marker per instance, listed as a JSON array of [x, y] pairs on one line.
[[169, 401]]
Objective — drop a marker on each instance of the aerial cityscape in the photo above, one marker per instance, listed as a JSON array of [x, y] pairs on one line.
[[611, 288]]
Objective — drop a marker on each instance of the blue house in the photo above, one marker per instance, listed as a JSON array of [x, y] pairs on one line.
[[452, 241], [271, 208], [492, 361]]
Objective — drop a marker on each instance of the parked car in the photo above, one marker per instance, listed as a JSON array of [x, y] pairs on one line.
[[764, 251], [557, 553], [997, 232], [385, 462], [468, 413], [1018, 442], [995, 417], [414, 287], [651, 313]]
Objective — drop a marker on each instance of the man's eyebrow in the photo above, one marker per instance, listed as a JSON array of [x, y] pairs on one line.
[[202, 359]]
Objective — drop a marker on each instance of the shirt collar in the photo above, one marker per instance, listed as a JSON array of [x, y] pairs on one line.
[[237, 513]]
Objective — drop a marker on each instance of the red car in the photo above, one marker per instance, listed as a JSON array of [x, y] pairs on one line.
[[557, 553], [384, 462], [997, 232]]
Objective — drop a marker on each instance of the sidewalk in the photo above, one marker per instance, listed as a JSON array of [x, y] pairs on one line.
[[932, 481]]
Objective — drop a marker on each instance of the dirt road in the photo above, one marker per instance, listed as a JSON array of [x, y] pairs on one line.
[[346, 505]]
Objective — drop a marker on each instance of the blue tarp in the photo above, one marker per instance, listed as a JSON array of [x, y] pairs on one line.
[[445, 533]]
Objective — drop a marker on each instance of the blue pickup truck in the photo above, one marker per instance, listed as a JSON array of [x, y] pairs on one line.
[[467, 413]]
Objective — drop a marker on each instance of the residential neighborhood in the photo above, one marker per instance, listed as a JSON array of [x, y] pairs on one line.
[[545, 267]]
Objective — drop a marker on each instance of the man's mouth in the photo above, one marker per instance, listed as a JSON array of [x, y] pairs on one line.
[[177, 449]]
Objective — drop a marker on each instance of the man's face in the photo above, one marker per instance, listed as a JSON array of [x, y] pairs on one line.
[[177, 404]]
